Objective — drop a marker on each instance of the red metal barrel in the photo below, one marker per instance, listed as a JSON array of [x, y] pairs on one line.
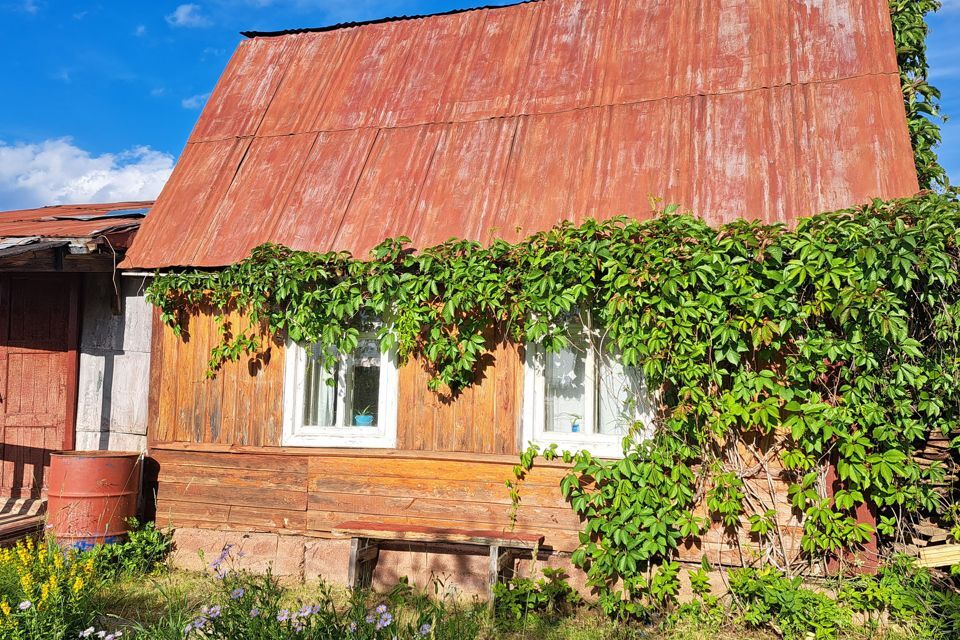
[[91, 495]]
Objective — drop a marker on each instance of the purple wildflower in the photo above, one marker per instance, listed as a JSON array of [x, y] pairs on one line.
[[425, 628], [369, 618], [237, 593], [353, 627], [23, 606], [385, 620], [283, 616], [381, 609], [254, 612]]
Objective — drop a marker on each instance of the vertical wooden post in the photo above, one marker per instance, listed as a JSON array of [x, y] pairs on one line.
[[363, 558], [353, 565], [493, 573]]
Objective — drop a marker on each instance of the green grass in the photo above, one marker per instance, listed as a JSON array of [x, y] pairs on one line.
[[159, 607]]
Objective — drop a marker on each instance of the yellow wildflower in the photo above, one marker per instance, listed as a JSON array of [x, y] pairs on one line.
[[23, 554], [77, 585], [26, 583], [44, 592], [5, 607]]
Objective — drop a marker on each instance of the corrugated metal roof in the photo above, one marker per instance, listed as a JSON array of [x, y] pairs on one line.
[[73, 220], [501, 122]]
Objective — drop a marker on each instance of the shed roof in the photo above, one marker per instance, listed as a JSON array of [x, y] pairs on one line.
[[504, 121], [29, 229]]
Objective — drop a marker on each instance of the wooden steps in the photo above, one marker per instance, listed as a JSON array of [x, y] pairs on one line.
[[20, 518]]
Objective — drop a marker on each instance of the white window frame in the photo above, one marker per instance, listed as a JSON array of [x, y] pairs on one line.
[[534, 417], [296, 434]]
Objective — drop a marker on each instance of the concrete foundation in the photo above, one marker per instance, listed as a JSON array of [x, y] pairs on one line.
[[442, 569]]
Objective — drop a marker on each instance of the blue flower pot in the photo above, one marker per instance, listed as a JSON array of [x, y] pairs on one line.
[[363, 421]]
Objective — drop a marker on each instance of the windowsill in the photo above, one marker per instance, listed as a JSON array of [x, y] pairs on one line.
[[608, 447], [339, 437]]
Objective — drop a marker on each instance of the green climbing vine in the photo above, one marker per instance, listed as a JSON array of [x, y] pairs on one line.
[[921, 100], [834, 344]]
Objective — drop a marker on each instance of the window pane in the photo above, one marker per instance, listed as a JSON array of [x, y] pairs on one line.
[[364, 396], [319, 396], [565, 387], [621, 388]]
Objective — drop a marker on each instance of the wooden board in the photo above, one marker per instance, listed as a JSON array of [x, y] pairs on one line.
[[941, 555], [415, 533]]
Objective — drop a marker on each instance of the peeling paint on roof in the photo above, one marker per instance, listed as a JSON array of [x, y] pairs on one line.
[[501, 122]]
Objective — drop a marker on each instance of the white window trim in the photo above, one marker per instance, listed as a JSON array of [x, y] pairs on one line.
[[533, 427], [296, 434], [534, 411]]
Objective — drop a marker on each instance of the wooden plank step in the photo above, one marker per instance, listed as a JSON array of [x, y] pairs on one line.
[[940, 555], [418, 533]]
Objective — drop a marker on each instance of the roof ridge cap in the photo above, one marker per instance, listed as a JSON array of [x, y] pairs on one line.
[[386, 19]]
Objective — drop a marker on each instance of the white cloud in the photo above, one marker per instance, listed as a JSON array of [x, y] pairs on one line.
[[140, 31], [188, 15], [56, 171], [30, 6], [195, 102]]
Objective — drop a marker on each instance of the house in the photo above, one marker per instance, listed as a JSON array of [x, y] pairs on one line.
[[493, 122], [73, 353]]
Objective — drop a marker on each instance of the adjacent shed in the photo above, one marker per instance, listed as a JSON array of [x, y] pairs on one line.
[[60, 302]]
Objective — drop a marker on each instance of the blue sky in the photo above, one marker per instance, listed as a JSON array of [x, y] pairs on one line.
[[101, 96]]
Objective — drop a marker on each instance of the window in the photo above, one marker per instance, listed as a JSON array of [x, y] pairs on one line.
[[582, 397], [352, 405]]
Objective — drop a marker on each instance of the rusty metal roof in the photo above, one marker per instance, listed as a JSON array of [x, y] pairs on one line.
[[501, 122], [72, 221]]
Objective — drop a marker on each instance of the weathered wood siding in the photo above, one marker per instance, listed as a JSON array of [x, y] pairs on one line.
[[114, 364], [485, 418], [217, 443], [243, 404], [303, 491]]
